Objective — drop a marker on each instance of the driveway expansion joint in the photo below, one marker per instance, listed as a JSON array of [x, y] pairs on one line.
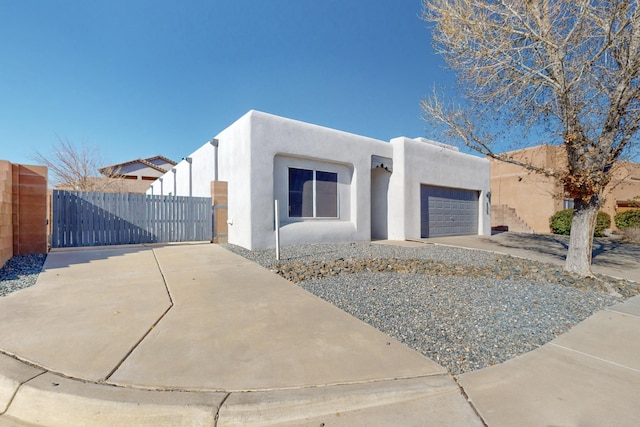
[[615, 311], [13, 396], [600, 359], [470, 401], [132, 349], [217, 417]]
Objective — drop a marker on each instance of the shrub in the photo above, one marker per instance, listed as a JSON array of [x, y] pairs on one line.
[[603, 221], [560, 222], [629, 218]]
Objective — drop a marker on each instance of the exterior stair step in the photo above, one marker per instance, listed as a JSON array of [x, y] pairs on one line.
[[503, 216]]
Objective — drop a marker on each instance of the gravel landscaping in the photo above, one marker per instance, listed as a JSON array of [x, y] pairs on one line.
[[20, 272], [463, 308]]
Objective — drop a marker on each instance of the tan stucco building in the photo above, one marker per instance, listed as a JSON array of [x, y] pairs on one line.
[[524, 201]]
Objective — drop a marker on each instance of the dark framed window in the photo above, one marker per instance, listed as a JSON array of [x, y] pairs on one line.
[[313, 193], [567, 204]]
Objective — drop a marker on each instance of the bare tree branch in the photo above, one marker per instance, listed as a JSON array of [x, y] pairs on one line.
[[76, 167], [568, 69]]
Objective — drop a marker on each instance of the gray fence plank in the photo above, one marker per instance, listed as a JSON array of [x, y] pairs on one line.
[[66, 209], [97, 219]]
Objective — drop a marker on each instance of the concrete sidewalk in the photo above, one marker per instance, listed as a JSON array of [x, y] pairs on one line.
[[610, 257], [195, 335], [589, 376]]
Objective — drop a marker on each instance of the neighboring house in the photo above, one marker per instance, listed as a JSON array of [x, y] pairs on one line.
[[133, 176], [524, 201], [333, 186], [148, 169]]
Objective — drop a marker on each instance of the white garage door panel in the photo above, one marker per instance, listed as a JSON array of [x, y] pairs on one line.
[[448, 211]]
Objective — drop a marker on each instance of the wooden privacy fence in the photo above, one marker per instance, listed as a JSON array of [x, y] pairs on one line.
[[94, 219]]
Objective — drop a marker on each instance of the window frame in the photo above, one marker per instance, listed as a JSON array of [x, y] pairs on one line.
[[567, 203], [314, 195]]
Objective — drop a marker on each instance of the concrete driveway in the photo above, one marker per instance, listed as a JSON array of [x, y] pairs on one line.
[[195, 335]]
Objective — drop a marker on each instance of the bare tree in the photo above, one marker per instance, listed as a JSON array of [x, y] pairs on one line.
[[76, 167], [566, 69]]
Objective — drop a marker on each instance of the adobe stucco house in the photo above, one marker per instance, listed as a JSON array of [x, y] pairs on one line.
[[525, 201], [332, 186]]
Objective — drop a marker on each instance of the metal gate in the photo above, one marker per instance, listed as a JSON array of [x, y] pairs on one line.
[[95, 219], [448, 211]]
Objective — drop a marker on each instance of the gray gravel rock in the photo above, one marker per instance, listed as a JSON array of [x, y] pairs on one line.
[[463, 308], [462, 323], [20, 272]]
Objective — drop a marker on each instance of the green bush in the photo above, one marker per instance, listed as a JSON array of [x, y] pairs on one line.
[[560, 222], [603, 221], [629, 218]]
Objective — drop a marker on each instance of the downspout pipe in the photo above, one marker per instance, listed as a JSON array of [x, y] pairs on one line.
[[175, 187], [190, 160], [214, 142]]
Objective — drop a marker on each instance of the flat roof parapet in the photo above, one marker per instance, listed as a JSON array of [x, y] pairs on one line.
[[439, 144]]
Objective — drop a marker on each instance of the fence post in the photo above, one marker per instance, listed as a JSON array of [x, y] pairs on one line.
[[219, 200]]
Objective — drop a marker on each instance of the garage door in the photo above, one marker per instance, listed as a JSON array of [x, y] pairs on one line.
[[448, 211]]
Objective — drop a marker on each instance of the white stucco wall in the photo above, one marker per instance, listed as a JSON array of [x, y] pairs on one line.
[[235, 162], [418, 162], [201, 170], [255, 152], [277, 143]]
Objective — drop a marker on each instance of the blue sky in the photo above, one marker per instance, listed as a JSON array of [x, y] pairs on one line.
[[143, 77]]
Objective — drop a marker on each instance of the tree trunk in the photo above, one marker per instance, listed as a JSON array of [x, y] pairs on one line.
[[581, 239]]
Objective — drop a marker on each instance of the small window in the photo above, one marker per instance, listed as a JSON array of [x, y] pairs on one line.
[[568, 204], [313, 194]]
